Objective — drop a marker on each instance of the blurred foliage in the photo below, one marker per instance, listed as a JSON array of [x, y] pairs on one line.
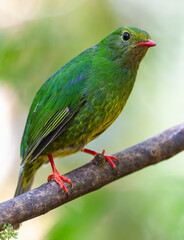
[[145, 213], [7, 232], [31, 53]]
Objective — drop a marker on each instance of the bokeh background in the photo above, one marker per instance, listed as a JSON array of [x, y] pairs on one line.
[[36, 38]]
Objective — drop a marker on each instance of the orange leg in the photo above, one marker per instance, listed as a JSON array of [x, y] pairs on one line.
[[56, 176], [107, 157]]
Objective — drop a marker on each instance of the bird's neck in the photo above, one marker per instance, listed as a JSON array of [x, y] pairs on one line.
[[123, 57]]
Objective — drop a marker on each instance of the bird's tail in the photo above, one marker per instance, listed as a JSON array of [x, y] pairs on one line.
[[21, 188], [25, 181]]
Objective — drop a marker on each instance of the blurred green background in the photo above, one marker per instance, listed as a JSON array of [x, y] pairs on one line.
[[36, 38]]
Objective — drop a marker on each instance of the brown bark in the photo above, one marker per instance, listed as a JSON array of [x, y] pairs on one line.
[[93, 176]]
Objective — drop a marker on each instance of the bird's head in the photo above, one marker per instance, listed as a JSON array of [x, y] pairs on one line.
[[127, 45]]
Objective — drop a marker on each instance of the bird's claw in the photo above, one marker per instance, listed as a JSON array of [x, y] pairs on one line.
[[60, 180], [108, 158]]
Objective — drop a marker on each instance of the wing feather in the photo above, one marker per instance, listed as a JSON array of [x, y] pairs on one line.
[[54, 106]]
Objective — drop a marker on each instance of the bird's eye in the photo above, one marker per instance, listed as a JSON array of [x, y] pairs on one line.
[[126, 36]]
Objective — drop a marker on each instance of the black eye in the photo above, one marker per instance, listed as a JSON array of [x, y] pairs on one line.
[[126, 36]]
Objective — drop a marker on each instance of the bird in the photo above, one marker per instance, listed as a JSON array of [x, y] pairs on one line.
[[79, 102]]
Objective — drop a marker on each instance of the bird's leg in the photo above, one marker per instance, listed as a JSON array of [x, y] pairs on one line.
[[56, 176], [107, 157]]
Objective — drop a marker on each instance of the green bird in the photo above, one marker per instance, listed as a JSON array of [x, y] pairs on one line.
[[79, 102]]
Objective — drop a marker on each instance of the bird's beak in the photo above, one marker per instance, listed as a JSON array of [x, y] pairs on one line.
[[148, 43]]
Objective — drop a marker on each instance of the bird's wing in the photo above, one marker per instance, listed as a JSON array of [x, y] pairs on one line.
[[54, 106]]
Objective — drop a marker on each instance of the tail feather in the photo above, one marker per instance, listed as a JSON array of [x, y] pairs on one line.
[[25, 181], [20, 190], [20, 186]]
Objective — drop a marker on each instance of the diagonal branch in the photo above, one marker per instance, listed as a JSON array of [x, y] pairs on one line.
[[93, 176]]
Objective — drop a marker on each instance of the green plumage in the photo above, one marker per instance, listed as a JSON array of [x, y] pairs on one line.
[[80, 101]]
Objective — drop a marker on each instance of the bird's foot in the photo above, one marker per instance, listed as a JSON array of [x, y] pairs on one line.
[[108, 158], [56, 176], [59, 179]]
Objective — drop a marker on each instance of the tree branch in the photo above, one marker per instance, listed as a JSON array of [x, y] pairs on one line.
[[93, 176]]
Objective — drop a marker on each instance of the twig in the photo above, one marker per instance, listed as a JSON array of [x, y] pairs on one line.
[[93, 176]]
